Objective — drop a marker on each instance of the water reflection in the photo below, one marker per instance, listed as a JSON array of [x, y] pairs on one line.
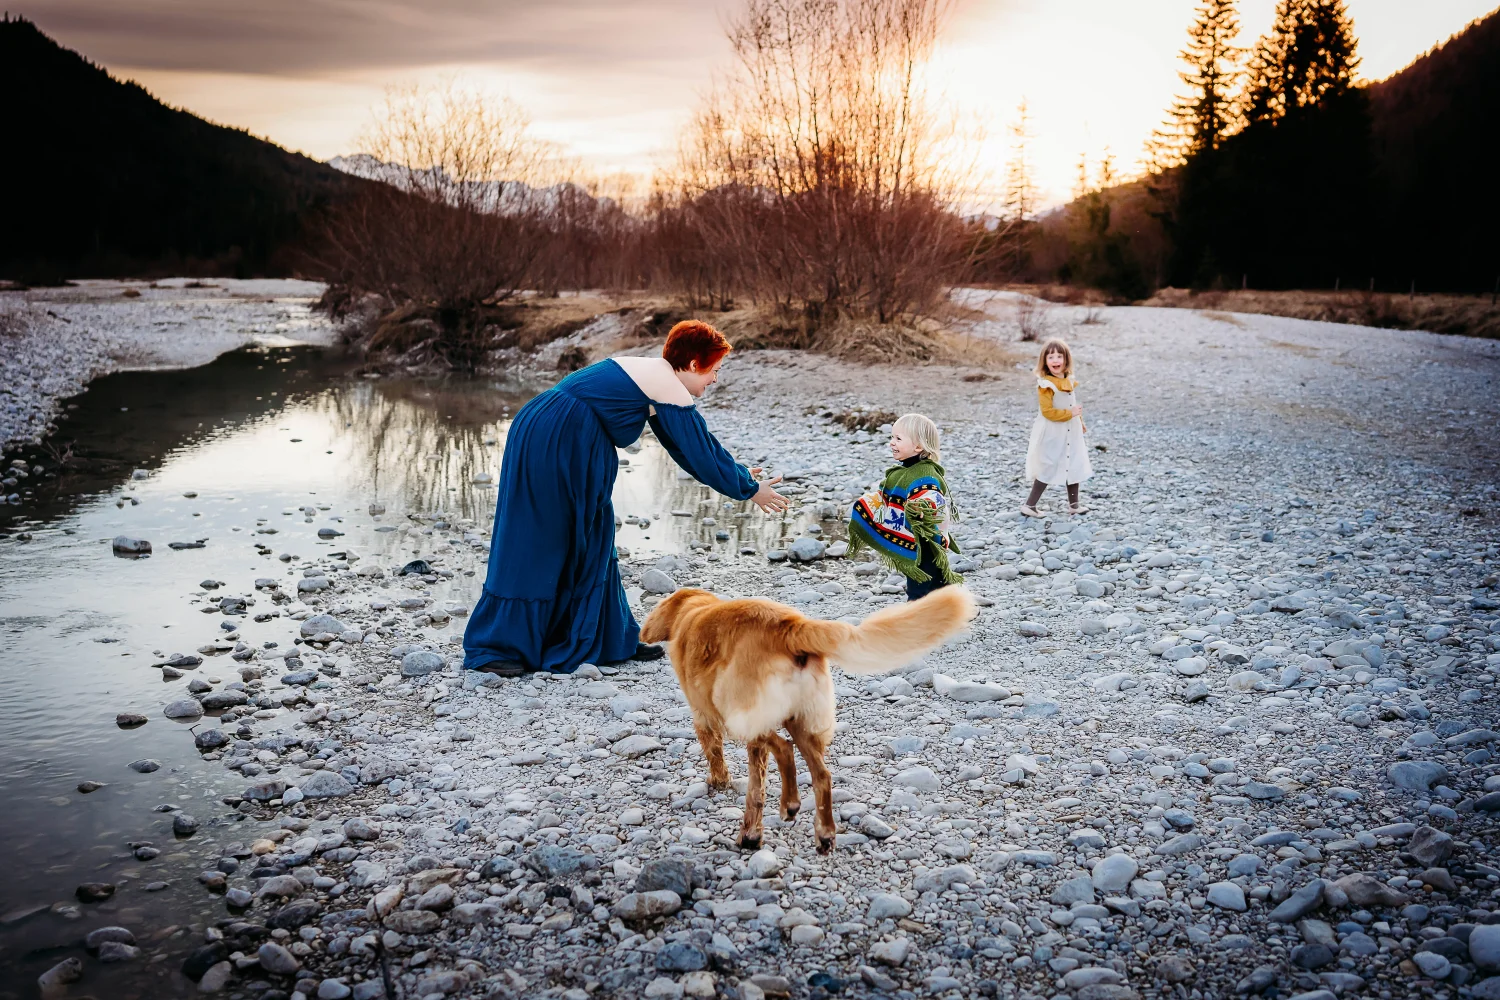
[[253, 454]]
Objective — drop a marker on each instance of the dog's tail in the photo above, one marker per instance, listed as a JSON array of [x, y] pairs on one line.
[[892, 637]]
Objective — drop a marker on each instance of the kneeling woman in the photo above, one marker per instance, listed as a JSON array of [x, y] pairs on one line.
[[552, 597]]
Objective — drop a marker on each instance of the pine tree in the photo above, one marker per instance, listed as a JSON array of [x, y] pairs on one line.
[[1020, 195], [1307, 57], [1019, 198], [1199, 121]]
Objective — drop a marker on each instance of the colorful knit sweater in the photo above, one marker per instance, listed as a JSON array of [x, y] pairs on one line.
[[906, 521]]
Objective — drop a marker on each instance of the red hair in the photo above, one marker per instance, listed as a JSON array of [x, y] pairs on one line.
[[694, 340]]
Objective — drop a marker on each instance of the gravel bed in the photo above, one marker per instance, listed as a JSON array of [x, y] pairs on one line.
[[1232, 732]]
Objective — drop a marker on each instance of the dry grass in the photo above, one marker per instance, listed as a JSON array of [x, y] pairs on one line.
[[1067, 295], [858, 418], [905, 342], [1467, 315]]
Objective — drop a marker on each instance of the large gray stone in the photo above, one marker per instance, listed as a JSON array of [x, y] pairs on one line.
[[277, 960], [1074, 890], [654, 581], [1416, 775], [807, 549], [646, 905], [1366, 891], [183, 708], [918, 779], [1430, 846], [1113, 874], [1299, 904], [1181, 844], [887, 905], [1484, 946], [1227, 896], [326, 785], [319, 624], [420, 662]]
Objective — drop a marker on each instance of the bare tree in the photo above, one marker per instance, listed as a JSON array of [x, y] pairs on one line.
[[814, 176], [452, 219]]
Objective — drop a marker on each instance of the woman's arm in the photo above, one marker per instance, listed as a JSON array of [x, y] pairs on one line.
[[686, 437]]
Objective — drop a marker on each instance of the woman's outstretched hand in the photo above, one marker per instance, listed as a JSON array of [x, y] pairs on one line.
[[766, 498]]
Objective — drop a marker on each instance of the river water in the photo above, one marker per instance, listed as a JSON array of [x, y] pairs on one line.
[[251, 455]]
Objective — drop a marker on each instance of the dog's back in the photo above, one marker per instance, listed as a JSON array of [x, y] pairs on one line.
[[742, 662], [739, 671]]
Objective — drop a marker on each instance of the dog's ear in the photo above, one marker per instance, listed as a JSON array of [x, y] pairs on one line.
[[658, 626]]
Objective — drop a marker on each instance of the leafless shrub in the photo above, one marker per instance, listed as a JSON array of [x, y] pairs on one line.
[[1032, 316], [19, 317], [450, 220], [1092, 316], [814, 179]]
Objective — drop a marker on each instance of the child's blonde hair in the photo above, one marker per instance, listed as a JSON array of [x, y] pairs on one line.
[[1060, 346], [922, 431]]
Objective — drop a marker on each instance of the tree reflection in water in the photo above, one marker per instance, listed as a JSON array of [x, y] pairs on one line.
[[424, 441]]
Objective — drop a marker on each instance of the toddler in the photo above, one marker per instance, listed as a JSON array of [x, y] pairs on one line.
[[1058, 453], [906, 520]]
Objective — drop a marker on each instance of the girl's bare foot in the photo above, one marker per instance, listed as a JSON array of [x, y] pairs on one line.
[[1078, 508], [1030, 511]]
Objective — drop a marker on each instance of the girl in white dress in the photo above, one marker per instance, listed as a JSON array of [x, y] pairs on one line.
[[1058, 451]]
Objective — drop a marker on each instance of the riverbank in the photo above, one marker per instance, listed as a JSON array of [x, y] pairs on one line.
[[54, 341], [1232, 729]]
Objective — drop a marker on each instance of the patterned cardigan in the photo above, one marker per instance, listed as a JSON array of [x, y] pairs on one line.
[[906, 521]]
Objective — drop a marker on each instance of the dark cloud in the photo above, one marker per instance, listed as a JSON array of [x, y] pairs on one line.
[[310, 37]]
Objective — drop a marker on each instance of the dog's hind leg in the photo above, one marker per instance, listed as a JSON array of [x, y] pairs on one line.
[[791, 803], [755, 795], [812, 745], [712, 742]]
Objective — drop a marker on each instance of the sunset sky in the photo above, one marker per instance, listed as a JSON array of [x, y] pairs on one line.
[[612, 81]]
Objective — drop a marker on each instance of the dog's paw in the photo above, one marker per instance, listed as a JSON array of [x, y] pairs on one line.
[[789, 813], [749, 843], [825, 844], [719, 784]]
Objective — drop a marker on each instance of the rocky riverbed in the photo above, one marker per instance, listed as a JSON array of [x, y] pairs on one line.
[[1231, 732]]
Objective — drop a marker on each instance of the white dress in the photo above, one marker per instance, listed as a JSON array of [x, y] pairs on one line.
[[1058, 452]]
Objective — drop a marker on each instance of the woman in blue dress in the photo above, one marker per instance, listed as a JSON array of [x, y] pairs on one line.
[[552, 597]]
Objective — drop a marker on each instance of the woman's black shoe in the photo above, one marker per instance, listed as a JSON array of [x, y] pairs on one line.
[[645, 652], [502, 669]]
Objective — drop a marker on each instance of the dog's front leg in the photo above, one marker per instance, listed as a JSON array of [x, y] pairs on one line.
[[755, 796]]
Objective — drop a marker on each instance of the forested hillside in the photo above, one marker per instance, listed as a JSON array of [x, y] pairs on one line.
[[101, 178]]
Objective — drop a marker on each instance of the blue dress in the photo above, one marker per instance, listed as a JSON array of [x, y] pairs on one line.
[[552, 597]]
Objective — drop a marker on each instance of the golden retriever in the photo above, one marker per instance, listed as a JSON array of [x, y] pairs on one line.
[[750, 667]]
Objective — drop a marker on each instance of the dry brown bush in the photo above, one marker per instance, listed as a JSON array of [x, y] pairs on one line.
[[815, 179], [859, 419], [455, 223]]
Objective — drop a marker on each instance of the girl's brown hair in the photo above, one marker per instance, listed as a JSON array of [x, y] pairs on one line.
[[1060, 346]]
